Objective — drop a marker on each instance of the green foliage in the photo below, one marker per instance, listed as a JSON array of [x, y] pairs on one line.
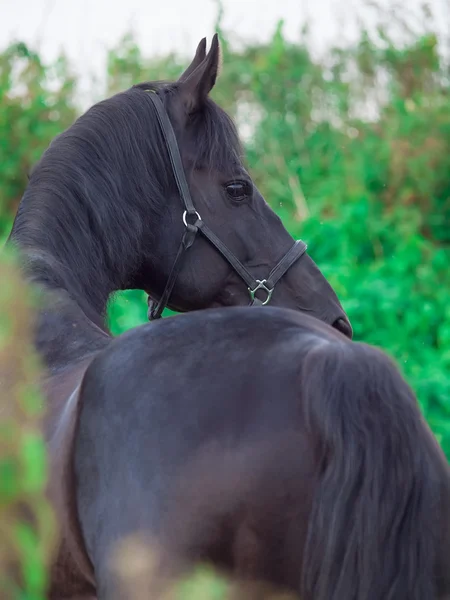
[[26, 521], [36, 104], [352, 150], [139, 575]]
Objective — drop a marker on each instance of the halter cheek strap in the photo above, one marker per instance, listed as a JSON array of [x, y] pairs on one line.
[[194, 225]]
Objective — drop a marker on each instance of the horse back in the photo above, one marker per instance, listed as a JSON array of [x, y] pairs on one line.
[[155, 402]]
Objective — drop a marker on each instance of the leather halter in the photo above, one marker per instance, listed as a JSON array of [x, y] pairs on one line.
[[194, 225]]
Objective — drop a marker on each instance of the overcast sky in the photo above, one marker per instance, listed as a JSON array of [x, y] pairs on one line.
[[86, 28]]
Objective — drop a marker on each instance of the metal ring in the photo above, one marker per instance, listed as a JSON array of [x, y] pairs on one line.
[[261, 286], [194, 213]]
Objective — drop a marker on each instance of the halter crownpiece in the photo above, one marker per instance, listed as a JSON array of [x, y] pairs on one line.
[[194, 224]]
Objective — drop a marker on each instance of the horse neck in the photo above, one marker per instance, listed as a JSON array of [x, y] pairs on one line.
[[64, 334], [73, 294], [81, 226]]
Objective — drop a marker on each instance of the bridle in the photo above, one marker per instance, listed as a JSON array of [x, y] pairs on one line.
[[194, 225]]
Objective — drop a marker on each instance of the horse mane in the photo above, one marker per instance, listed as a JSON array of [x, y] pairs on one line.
[[216, 143], [94, 186]]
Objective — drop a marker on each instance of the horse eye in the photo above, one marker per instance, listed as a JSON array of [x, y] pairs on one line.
[[238, 190]]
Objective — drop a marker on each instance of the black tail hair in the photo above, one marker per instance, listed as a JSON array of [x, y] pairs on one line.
[[372, 532]]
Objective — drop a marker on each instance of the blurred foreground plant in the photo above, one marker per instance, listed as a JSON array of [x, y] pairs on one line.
[[137, 567], [26, 520]]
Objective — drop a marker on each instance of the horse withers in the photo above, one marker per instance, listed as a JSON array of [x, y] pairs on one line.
[[265, 443]]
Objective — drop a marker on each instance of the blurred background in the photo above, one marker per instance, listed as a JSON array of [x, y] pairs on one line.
[[344, 108]]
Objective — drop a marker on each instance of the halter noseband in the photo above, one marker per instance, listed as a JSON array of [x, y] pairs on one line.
[[194, 225]]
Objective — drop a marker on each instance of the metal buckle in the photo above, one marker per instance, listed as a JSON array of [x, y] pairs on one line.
[[198, 217], [261, 286]]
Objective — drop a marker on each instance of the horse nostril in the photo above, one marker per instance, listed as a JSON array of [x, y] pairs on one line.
[[344, 327]]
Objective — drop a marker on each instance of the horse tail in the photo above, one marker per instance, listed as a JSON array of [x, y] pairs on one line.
[[372, 530]]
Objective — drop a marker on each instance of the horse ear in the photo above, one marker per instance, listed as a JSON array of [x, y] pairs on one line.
[[199, 57], [195, 89]]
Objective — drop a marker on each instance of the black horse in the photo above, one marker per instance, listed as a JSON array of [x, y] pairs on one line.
[[264, 442], [102, 211], [146, 190]]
